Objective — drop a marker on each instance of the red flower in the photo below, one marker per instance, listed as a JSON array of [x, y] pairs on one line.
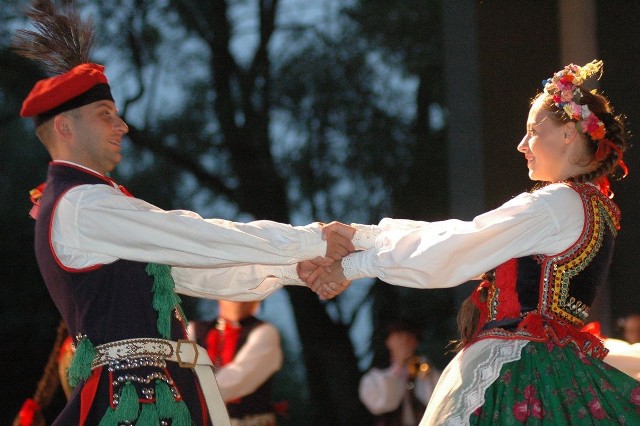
[[536, 409], [598, 133], [567, 78], [635, 395], [507, 377], [521, 411], [596, 409]]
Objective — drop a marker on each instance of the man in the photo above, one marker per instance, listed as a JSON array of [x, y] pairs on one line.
[[398, 395], [103, 254], [246, 352], [630, 326]]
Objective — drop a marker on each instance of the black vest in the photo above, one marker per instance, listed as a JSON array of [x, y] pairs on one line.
[[106, 303], [558, 288], [258, 402]]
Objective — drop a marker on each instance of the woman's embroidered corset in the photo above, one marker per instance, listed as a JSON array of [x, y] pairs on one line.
[[539, 296]]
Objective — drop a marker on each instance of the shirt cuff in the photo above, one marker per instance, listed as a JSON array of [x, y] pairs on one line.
[[358, 265], [365, 236], [312, 244], [289, 275]]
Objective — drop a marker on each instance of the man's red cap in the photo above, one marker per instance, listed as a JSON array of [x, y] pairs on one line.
[[82, 85]]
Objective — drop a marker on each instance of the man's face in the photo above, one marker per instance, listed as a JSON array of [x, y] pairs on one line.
[[632, 329], [97, 131]]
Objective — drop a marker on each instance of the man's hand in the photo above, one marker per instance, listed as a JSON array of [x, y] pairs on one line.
[[307, 268], [332, 289], [338, 237], [327, 281]]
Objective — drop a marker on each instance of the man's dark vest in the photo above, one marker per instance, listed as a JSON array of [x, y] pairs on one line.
[[394, 418], [105, 303], [258, 402]]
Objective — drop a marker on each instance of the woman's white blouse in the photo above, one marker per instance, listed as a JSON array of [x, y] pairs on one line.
[[451, 252]]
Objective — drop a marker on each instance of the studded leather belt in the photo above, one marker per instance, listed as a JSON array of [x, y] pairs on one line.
[[186, 353]]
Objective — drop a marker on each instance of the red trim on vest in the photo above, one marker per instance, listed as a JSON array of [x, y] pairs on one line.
[[508, 302], [203, 404], [107, 180]]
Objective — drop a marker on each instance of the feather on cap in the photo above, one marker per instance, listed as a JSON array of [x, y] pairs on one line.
[[61, 44]]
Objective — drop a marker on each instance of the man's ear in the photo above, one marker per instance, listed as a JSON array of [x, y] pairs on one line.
[[61, 125]]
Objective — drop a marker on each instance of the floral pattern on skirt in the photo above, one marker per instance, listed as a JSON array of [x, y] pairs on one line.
[[551, 385]]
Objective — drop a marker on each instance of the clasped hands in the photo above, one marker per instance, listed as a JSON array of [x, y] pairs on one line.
[[325, 275]]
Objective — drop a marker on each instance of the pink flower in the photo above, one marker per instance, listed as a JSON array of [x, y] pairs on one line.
[[536, 409], [576, 111], [507, 377], [635, 395], [529, 392], [521, 411], [565, 86], [584, 126], [566, 95], [596, 409]]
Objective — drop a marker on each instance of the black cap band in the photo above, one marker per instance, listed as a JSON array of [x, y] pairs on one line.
[[99, 92]]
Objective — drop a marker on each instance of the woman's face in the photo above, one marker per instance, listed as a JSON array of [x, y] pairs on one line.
[[543, 145]]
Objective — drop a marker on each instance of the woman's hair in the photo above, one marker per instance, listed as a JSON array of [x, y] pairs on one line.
[[469, 315], [611, 165]]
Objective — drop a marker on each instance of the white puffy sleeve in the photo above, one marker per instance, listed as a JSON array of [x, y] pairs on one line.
[[448, 253]]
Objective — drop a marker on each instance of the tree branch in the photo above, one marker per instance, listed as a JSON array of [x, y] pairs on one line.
[[144, 140]]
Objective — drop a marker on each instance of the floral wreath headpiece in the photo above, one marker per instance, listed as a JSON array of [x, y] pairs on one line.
[[564, 88]]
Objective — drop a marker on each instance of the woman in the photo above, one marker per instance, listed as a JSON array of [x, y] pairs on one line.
[[523, 357]]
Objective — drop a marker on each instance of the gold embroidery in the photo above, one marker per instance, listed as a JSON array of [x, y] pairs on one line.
[[600, 216]]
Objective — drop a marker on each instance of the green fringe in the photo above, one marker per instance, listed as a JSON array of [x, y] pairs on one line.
[[164, 400], [169, 408], [80, 366], [148, 416], [165, 299], [128, 405], [182, 417], [109, 418]]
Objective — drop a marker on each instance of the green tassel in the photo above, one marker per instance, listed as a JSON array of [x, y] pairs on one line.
[[128, 405], [182, 417], [148, 416], [164, 400], [109, 418], [169, 408], [165, 298], [80, 367]]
